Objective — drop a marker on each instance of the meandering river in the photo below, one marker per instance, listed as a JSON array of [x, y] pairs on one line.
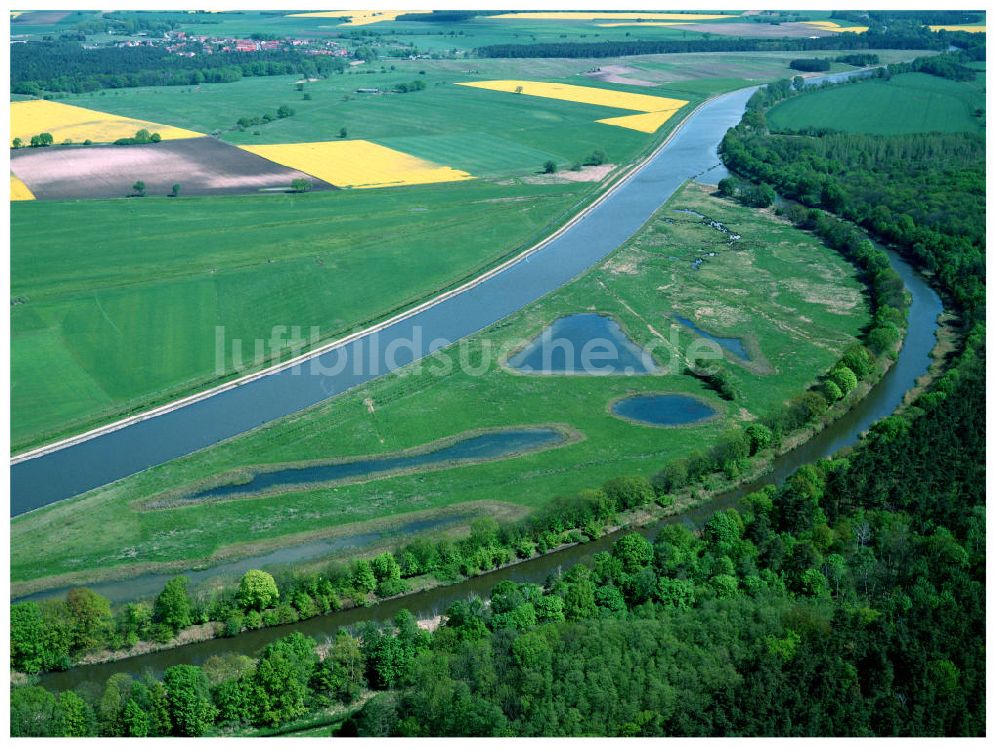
[[913, 361], [690, 154]]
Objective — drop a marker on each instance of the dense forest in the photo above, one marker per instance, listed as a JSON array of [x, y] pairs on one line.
[[37, 67], [810, 64]]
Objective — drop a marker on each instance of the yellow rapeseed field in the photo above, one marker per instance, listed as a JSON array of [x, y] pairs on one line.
[[19, 191], [358, 17], [831, 26], [78, 124], [662, 107], [594, 15], [648, 122], [357, 164], [970, 29]]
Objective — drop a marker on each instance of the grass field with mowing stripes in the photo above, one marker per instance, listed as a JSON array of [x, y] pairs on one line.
[[96, 333]]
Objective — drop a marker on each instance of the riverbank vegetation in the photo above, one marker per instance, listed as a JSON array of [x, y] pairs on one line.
[[567, 520], [802, 311], [849, 601], [923, 193]]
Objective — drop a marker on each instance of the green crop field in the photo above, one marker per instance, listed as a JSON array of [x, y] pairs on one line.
[[117, 302], [908, 103], [486, 133], [795, 303]]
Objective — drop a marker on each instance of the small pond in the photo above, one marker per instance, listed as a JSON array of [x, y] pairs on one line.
[[583, 344], [733, 345], [663, 409], [485, 447]]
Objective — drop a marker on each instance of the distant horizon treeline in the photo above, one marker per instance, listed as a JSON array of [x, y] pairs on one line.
[[38, 67], [907, 38]]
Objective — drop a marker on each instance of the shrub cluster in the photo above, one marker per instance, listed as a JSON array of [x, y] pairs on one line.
[[141, 137]]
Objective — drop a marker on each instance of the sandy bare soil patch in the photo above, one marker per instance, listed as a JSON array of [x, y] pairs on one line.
[[201, 166], [618, 74], [584, 174], [759, 30]]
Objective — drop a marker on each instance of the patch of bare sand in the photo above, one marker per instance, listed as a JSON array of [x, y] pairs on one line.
[[584, 174], [836, 299], [625, 267], [618, 74], [193, 634], [431, 623], [724, 317]]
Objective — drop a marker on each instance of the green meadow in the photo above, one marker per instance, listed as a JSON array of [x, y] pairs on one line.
[[907, 103], [117, 302], [486, 133], [795, 303]]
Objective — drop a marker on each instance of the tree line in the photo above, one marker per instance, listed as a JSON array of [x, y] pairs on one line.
[[849, 601], [37, 67], [920, 17], [858, 59], [908, 38], [810, 64]]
